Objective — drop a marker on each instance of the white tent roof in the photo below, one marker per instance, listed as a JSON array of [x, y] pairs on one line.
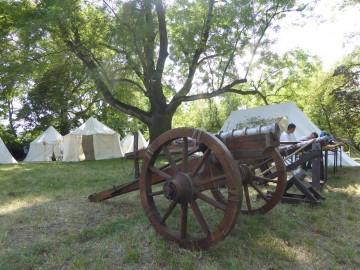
[[279, 113], [92, 141], [5, 156], [92, 126], [49, 136], [45, 145], [127, 143]]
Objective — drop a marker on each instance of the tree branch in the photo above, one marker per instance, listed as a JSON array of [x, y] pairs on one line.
[[163, 51], [132, 65], [101, 85], [111, 9], [199, 50], [134, 83], [226, 89]]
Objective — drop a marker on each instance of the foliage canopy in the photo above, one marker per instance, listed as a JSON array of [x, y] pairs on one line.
[[157, 64], [143, 58]]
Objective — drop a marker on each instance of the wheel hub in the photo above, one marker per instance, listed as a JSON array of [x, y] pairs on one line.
[[179, 188]]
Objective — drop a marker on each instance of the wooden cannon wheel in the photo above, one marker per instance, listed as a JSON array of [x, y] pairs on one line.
[[267, 184], [264, 182], [175, 188]]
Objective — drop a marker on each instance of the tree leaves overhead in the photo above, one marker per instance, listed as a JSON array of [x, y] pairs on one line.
[[143, 58], [281, 78], [334, 102]]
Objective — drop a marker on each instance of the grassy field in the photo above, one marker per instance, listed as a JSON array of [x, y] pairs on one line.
[[47, 222]]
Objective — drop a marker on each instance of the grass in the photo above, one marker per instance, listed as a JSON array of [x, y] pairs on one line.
[[47, 222]]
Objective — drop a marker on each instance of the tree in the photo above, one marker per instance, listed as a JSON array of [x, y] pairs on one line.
[[207, 114], [282, 78], [346, 97], [146, 58], [335, 102], [49, 101], [12, 74]]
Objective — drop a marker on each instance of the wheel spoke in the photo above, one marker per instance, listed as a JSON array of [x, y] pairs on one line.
[[262, 163], [259, 191], [160, 172], [202, 162], [211, 201], [183, 220], [263, 179], [185, 155], [168, 212], [211, 183], [170, 159], [247, 197], [156, 193], [268, 170], [180, 158], [200, 218]]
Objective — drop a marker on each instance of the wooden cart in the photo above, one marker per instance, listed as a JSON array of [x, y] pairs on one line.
[[192, 183]]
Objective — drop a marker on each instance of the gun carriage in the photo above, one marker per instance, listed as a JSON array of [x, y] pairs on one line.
[[305, 192], [192, 183]]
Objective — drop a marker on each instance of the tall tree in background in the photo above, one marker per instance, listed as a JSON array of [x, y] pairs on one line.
[[146, 58], [335, 102], [15, 71]]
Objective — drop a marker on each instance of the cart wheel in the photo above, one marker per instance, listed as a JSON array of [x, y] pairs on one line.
[[178, 172], [264, 182], [266, 186]]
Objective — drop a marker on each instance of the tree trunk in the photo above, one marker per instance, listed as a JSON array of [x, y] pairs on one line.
[[11, 121], [159, 123]]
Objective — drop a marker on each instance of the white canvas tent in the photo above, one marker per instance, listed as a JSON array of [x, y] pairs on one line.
[[127, 143], [283, 113], [46, 145], [92, 141], [5, 156]]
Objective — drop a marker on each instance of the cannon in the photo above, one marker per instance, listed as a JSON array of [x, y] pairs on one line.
[[305, 192], [192, 183]]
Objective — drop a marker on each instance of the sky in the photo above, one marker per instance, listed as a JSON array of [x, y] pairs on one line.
[[325, 36]]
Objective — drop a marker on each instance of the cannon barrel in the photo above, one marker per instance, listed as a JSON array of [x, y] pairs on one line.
[[251, 142], [273, 129]]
